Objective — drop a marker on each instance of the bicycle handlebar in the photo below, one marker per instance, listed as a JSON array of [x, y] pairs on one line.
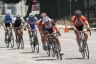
[[86, 31]]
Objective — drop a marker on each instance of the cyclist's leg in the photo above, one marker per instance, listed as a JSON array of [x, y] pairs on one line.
[[16, 32], [44, 39], [6, 25], [6, 33], [11, 30], [86, 36], [77, 38], [21, 31], [43, 35], [29, 29]]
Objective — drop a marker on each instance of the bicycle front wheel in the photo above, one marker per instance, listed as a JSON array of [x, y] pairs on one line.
[[12, 42], [87, 51], [32, 47], [82, 45], [18, 43], [22, 43], [36, 43]]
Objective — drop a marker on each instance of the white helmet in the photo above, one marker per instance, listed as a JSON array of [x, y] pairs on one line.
[[18, 15], [46, 19], [7, 13], [31, 15]]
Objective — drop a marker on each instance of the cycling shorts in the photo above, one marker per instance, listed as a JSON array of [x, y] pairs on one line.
[[7, 24], [80, 28]]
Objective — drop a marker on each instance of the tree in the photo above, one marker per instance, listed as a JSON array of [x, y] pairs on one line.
[[28, 2]]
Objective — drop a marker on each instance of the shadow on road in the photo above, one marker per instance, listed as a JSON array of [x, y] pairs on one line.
[[13, 49], [40, 56], [26, 52], [3, 47], [73, 58], [43, 58]]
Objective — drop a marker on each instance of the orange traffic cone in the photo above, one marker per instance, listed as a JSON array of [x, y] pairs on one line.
[[66, 29]]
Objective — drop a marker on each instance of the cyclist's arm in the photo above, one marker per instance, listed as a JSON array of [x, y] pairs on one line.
[[4, 25], [87, 24], [13, 21], [4, 22], [36, 21], [73, 22], [23, 21], [73, 26]]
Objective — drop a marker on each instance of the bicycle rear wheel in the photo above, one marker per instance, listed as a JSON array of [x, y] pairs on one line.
[[37, 48], [18, 43], [58, 54], [7, 43], [46, 48], [52, 50]]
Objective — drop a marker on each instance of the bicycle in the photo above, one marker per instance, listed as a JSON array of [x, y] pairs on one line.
[[84, 45], [54, 47], [34, 41], [9, 39], [19, 39]]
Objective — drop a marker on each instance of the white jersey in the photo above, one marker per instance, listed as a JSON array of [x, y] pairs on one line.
[[14, 19]]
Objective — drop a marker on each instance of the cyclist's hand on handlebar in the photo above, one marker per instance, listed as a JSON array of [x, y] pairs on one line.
[[59, 33], [88, 29]]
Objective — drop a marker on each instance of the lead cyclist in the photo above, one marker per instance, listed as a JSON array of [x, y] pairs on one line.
[[79, 22]]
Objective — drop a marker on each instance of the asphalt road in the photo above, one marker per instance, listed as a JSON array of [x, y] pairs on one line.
[[69, 47]]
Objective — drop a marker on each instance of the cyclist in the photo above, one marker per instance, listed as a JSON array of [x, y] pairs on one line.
[[79, 23], [50, 27], [42, 15], [7, 22], [41, 20], [18, 22], [32, 22]]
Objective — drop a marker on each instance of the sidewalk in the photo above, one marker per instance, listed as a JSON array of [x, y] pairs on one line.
[[61, 27]]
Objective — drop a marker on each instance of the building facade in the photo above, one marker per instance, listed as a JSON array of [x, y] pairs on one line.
[[13, 8], [65, 8]]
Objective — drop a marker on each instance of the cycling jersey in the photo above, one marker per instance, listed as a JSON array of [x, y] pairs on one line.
[[16, 22], [79, 23], [32, 22], [7, 21], [50, 27], [40, 22]]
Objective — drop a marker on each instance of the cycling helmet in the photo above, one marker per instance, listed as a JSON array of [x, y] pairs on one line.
[[43, 14], [8, 14], [18, 15], [46, 19], [78, 13], [31, 15]]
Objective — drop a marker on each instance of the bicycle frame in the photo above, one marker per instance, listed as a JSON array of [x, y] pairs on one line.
[[83, 44]]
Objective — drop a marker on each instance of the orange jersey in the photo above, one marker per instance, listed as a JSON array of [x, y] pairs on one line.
[[80, 22]]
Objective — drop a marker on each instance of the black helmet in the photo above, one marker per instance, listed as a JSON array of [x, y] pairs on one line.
[[78, 13]]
